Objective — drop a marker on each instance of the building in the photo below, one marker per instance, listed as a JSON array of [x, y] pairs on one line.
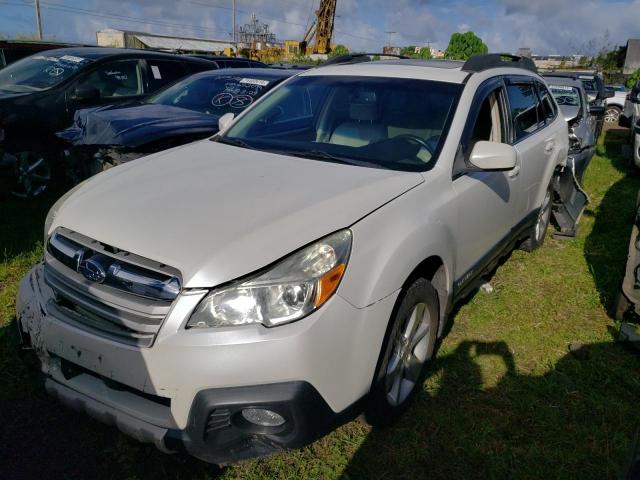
[[524, 52], [632, 59], [128, 39], [550, 62]]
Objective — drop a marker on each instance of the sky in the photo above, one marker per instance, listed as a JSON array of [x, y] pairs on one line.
[[545, 26]]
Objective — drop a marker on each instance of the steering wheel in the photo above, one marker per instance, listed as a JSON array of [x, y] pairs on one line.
[[417, 140]]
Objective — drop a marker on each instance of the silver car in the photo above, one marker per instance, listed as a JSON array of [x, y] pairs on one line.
[[251, 292]]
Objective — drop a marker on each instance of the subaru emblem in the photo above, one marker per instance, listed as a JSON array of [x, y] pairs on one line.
[[93, 270]]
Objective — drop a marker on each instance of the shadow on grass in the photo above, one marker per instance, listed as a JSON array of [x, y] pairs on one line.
[[575, 421], [22, 223], [606, 246]]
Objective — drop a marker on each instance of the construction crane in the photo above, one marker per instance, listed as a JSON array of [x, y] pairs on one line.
[[321, 29]]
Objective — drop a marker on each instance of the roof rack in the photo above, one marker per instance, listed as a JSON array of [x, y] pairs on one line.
[[357, 58], [478, 63]]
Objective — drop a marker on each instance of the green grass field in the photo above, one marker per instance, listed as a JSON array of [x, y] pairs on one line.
[[503, 399]]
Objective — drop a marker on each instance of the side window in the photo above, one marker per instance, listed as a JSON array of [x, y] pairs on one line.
[[548, 106], [489, 125], [524, 109], [115, 79], [163, 72]]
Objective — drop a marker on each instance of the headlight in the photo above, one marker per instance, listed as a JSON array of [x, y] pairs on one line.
[[288, 291]]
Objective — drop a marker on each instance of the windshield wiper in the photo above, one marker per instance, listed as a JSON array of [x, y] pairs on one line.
[[236, 142], [322, 155]]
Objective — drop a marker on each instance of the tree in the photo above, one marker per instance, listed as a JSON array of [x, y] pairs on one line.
[[339, 50], [633, 79], [462, 46], [416, 52]]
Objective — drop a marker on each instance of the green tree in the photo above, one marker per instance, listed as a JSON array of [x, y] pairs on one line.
[[462, 46], [416, 52], [339, 50], [633, 79]]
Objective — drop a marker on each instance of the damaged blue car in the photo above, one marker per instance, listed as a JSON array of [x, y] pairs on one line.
[[106, 136]]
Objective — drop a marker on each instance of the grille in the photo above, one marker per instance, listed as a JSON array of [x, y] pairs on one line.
[[106, 291]]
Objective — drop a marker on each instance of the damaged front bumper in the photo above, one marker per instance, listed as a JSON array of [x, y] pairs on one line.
[[570, 199], [189, 390]]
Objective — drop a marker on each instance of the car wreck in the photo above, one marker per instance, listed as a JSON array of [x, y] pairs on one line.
[[40, 94], [582, 121], [189, 110]]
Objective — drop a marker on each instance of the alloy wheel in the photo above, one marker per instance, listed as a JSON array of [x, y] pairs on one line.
[[33, 175], [408, 354], [612, 115]]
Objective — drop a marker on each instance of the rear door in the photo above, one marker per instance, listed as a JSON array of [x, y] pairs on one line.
[[162, 72], [534, 143]]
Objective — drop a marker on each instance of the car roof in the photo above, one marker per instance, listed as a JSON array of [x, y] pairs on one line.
[[561, 80], [442, 70], [97, 53], [451, 71], [258, 73]]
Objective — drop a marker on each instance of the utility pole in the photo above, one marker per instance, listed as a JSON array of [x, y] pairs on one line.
[[235, 40], [39, 21]]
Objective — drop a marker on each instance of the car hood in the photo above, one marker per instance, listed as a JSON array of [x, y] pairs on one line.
[[217, 212], [136, 125], [569, 112]]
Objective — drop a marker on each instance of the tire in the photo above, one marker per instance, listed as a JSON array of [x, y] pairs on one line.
[[408, 345], [538, 232], [612, 115], [621, 306]]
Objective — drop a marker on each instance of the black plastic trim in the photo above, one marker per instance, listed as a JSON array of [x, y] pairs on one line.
[[466, 283], [228, 438], [479, 63]]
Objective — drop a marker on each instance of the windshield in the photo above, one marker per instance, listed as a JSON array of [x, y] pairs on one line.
[[566, 95], [390, 123], [214, 95], [39, 72]]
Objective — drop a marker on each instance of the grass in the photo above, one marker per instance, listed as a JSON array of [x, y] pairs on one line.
[[503, 399]]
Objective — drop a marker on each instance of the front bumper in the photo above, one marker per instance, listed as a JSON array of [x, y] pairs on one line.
[[314, 371], [216, 432]]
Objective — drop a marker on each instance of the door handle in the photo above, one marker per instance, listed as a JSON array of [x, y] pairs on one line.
[[514, 172]]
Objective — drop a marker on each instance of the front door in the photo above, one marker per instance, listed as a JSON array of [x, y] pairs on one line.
[[488, 201]]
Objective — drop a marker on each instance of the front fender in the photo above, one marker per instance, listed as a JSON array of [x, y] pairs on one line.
[[389, 244]]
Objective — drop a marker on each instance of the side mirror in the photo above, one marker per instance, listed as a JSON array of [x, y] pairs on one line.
[[85, 93], [225, 120], [493, 156], [609, 92], [597, 110]]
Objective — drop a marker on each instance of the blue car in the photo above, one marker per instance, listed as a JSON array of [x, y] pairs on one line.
[[188, 110]]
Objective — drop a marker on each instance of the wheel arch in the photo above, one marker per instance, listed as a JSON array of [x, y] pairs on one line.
[[434, 269]]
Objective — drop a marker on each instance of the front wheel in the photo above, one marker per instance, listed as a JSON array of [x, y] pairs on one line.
[[612, 115], [409, 344], [539, 230]]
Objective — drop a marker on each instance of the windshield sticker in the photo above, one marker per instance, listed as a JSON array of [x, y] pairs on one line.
[[562, 88], [253, 81], [54, 71], [156, 72], [585, 77], [71, 58], [118, 75]]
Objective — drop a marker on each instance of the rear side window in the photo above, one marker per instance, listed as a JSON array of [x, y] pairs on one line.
[[116, 79], [523, 102], [163, 72]]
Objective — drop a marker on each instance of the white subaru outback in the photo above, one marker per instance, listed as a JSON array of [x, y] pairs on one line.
[[248, 293]]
